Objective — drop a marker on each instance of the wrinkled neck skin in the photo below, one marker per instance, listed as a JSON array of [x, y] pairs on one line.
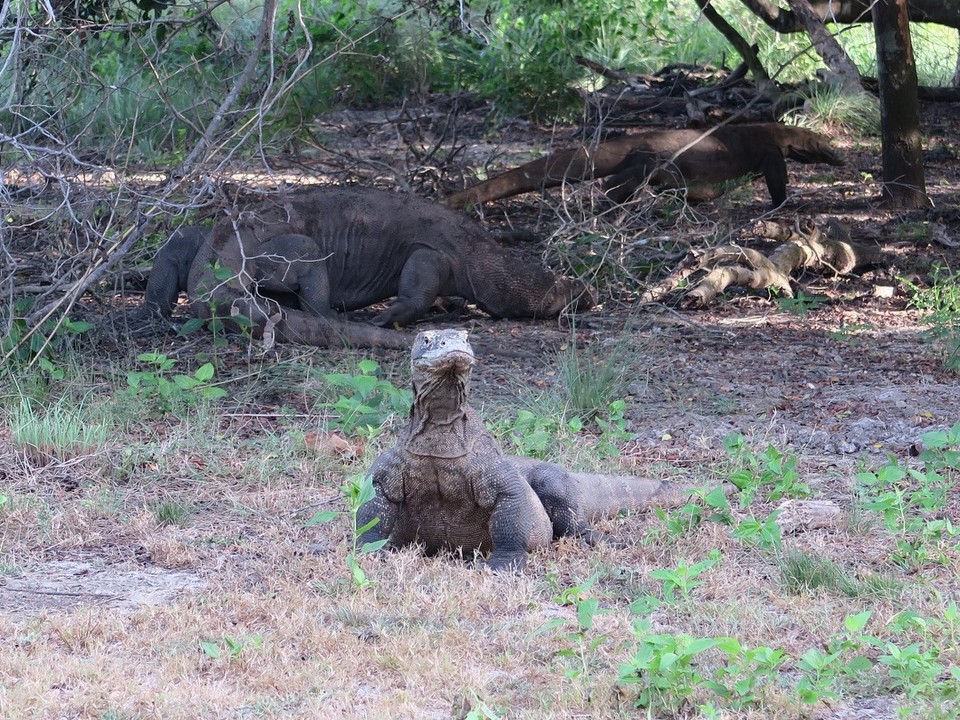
[[438, 422]]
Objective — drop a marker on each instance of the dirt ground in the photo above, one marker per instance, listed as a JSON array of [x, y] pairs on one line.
[[841, 385]]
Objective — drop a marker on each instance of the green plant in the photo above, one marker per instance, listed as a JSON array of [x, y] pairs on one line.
[[217, 323], [801, 572], [60, 431], [909, 499], [940, 303], [683, 577], [819, 675], [591, 384], [532, 434], [764, 534], [580, 647], [704, 506], [613, 429], [168, 392], [800, 304], [45, 346], [172, 513], [912, 669], [369, 400], [479, 710], [830, 107], [356, 492], [214, 649], [743, 681], [760, 470], [665, 667]]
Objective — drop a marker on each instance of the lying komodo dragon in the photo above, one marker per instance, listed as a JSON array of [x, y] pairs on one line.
[[704, 160], [448, 485], [343, 248]]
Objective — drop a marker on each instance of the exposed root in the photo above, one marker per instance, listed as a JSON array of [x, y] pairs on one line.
[[803, 247]]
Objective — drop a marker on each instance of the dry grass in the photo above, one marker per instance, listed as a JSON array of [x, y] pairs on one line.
[[271, 626]]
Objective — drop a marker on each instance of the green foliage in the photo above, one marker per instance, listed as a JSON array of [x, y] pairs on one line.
[[232, 647], [801, 572], [58, 431], [800, 304], [581, 647], [525, 62], [45, 346], [764, 534], [683, 577], [829, 108], [672, 670], [771, 472], [665, 667], [940, 303], [368, 403], [703, 506], [172, 513], [913, 501], [591, 384], [538, 435], [356, 492], [166, 391], [534, 435]]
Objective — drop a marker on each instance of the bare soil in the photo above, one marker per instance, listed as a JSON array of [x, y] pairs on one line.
[[106, 613]]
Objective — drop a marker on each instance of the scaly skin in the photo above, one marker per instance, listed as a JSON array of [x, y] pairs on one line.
[[447, 484], [712, 158], [344, 248]]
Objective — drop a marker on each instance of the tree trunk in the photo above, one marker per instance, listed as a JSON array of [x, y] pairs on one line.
[[903, 182], [956, 71], [747, 53], [940, 12], [827, 47]]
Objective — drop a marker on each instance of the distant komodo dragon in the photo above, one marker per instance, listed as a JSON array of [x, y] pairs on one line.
[[344, 248], [447, 484], [704, 160]]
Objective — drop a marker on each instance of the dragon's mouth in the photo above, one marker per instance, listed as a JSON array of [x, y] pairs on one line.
[[456, 360]]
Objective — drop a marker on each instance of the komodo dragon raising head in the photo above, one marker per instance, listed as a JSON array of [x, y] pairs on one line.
[[447, 484]]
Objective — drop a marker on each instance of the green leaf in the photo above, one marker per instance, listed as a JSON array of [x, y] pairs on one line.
[[586, 609], [367, 366], [210, 649], [701, 644], [204, 373], [859, 664], [856, 623], [645, 604], [191, 326], [185, 382], [367, 526], [548, 626], [372, 547], [321, 516], [79, 326]]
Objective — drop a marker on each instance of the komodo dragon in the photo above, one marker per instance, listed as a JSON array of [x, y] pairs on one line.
[[727, 153], [343, 248], [447, 484]]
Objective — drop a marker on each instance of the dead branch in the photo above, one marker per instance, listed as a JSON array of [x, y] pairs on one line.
[[806, 248]]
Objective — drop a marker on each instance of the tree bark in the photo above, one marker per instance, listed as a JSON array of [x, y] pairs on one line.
[[903, 180], [739, 43], [827, 47], [940, 12]]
